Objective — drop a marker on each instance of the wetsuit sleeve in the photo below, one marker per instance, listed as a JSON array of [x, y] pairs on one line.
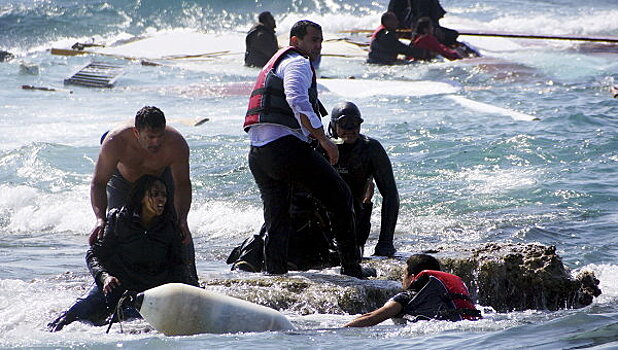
[[385, 181], [431, 43], [102, 249]]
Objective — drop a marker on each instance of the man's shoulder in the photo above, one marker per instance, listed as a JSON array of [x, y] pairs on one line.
[[120, 135]]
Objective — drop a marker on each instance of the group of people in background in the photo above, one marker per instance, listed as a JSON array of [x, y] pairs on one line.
[[141, 194], [416, 20]]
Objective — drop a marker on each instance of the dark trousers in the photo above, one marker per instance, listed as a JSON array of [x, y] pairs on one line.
[[287, 162], [95, 306]]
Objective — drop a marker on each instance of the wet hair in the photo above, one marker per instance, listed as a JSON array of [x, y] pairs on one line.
[[140, 189], [264, 16], [386, 16], [419, 262], [150, 117], [422, 25], [299, 29]]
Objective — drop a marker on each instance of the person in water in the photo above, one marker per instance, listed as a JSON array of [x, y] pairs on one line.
[[140, 249], [261, 41], [363, 160], [385, 45], [150, 147], [428, 293], [282, 118], [428, 46]]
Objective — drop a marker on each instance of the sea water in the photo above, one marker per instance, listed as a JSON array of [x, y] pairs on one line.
[[465, 175]]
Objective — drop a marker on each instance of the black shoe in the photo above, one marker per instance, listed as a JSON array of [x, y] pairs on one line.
[[64, 319], [384, 249], [353, 271]]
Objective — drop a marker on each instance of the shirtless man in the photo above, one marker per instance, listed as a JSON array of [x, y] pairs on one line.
[[130, 151]]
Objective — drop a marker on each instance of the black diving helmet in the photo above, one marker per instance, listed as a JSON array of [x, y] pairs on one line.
[[346, 115]]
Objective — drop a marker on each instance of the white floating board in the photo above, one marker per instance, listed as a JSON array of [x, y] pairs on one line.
[[491, 109], [360, 88], [180, 309]]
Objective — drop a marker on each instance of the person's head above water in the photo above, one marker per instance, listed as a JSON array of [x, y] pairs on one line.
[[148, 197], [345, 121], [417, 263], [307, 37], [150, 128], [389, 20], [267, 19], [424, 26]]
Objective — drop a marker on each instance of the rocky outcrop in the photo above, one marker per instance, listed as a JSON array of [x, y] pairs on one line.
[[511, 277], [503, 276]]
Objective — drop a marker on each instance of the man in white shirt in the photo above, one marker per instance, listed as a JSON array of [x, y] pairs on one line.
[[282, 117]]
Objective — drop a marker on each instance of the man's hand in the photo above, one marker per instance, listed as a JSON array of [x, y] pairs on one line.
[[110, 283], [185, 234], [97, 231], [330, 148]]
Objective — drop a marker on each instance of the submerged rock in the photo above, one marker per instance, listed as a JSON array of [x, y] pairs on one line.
[[504, 276]]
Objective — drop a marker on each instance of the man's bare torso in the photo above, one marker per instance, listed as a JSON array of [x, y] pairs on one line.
[[134, 160]]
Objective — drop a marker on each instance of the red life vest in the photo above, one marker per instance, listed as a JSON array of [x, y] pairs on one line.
[[267, 104], [457, 292], [377, 31]]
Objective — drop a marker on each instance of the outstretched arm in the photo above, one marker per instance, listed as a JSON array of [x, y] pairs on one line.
[[389, 310]]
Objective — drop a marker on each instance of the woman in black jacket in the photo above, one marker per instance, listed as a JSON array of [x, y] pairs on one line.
[[140, 249]]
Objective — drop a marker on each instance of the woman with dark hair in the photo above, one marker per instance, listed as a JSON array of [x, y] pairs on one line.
[[140, 249]]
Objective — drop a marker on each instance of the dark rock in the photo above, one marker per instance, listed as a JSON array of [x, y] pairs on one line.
[[504, 276]]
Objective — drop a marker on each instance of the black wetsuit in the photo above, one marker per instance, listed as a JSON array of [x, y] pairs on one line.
[[141, 258], [261, 43], [385, 46], [359, 164], [401, 9], [435, 11]]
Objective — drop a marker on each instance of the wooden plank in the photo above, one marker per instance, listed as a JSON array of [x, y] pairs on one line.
[[96, 74]]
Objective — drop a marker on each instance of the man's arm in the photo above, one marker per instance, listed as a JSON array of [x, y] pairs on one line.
[[297, 78], [318, 133], [103, 171], [389, 310], [182, 187], [385, 181]]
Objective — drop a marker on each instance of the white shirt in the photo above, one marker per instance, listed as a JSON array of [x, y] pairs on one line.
[[297, 75]]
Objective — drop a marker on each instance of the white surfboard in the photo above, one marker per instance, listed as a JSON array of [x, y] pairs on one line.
[[180, 309], [179, 43], [487, 108], [360, 88]]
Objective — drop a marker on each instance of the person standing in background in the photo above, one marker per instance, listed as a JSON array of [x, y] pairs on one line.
[[261, 41]]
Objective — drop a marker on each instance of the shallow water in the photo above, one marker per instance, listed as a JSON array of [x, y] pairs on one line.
[[465, 175]]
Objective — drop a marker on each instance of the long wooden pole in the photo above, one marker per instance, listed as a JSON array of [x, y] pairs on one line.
[[540, 36], [512, 35]]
